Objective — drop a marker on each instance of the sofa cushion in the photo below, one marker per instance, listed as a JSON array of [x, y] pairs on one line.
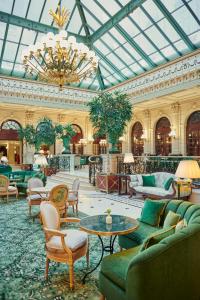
[[115, 266], [168, 183], [161, 177], [156, 237], [136, 238], [149, 180], [171, 219], [152, 191], [152, 212], [180, 225]]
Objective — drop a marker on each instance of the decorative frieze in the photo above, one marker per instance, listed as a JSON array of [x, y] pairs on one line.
[[175, 107]]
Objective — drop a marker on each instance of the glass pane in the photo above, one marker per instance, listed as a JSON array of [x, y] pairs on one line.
[[10, 51], [195, 5], [20, 8], [169, 52], [104, 72], [112, 79], [2, 29], [19, 54], [136, 68], [6, 6], [28, 37], [133, 52], [195, 38], [181, 46], [144, 44], [127, 72], [115, 61], [158, 39], [46, 18], [102, 47], [141, 19], [75, 23], [7, 65], [117, 35], [96, 9], [35, 10], [121, 53], [110, 41], [185, 20], [91, 21], [144, 64], [129, 27], [157, 58], [1, 44], [153, 10], [172, 5], [14, 33], [111, 6], [18, 70], [169, 30]]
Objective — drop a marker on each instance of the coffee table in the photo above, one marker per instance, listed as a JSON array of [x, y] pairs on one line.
[[97, 225]]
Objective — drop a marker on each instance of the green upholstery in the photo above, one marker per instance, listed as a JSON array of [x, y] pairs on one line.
[[149, 180], [5, 169], [167, 270], [152, 211], [171, 219], [168, 183]]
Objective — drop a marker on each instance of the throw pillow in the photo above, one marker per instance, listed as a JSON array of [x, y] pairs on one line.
[[152, 212], [171, 219], [156, 237], [168, 183], [180, 225], [149, 180]]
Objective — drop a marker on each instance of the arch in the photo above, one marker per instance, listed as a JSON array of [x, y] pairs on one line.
[[76, 147], [163, 145], [136, 141], [193, 134], [9, 130]]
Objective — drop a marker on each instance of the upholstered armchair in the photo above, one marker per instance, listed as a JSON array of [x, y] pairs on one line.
[[73, 195], [65, 246], [34, 198], [6, 189], [59, 196]]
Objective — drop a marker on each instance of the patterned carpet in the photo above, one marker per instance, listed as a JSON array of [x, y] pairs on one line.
[[22, 261]]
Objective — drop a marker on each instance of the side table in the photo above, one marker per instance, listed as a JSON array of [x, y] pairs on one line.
[[107, 183]]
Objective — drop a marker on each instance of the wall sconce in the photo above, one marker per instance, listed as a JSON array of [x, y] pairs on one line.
[[103, 142], [172, 134], [83, 142]]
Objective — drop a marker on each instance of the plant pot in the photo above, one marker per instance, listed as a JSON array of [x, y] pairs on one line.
[[114, 149], [66, 144]]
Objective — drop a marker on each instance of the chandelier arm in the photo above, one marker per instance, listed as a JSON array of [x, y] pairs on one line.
[[34, 68], [43, 59], [81, 70], [80, 63]]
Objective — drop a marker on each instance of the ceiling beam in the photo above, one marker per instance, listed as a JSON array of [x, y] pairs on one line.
[[175, 24], [126, 10], [32, 25], [87, 32]]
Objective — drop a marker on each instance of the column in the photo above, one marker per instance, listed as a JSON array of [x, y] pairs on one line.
[[175, 127]]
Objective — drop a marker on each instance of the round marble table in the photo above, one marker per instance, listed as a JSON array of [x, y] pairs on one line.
[[97, 225]]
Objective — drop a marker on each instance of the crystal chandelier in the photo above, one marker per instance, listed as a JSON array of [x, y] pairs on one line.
[[60, 59]]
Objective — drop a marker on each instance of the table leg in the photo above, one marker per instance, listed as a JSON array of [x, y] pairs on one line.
[[102, 253]]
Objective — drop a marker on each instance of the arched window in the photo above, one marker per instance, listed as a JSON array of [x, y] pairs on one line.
[[193, 134], [162, 139], [136, 140], [9, 130], [76, 147]]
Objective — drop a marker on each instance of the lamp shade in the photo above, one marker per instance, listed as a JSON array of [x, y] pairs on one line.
[[128, 158], [188, 169]]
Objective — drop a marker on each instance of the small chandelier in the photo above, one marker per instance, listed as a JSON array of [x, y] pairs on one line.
[[60, 59]]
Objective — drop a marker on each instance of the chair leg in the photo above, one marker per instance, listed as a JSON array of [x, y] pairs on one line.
[[71, 276], [88, 257], [29, 210], [47, 268], [102, 297], [77, 209], [73, 208]]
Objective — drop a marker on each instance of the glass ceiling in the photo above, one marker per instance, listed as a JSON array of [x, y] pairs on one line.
[[137, 40]]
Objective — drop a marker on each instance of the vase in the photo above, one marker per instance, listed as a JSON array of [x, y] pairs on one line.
[[108, 219], [66, 144], [114, 148]]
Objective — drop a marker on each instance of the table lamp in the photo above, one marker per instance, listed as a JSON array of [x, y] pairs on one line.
[[187, 169], [128, 159]]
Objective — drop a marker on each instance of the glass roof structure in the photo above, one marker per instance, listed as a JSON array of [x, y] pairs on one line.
[[129, 37]]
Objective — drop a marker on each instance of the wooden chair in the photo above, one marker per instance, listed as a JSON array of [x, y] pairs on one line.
[[73, 195], [65, 246], [34, 198], [59, 196], [6, 189]]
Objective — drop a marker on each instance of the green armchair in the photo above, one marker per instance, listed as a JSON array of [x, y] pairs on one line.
[[167, 270]]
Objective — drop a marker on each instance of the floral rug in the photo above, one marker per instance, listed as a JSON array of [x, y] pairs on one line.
[[22, 261]]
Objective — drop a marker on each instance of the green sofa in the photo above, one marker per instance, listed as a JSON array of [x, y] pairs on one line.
[[21, 178], [168, 270], [5, 169]]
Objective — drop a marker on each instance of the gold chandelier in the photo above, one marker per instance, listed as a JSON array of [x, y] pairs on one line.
[[60, 59]]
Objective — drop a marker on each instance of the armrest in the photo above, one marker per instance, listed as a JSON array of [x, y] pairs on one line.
[[54, 232], [69, 220]]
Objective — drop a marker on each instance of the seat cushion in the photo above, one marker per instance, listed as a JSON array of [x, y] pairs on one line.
[[171, 219], [12, 188], [115, 266], [137, 237], [153, 190], [35, 197], [74, 239], [72, 197]]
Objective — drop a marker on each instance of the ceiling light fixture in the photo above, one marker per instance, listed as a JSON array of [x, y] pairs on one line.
[[58, 58]]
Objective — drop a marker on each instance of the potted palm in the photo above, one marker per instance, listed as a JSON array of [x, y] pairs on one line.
[[109, 114], [65, 133]]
